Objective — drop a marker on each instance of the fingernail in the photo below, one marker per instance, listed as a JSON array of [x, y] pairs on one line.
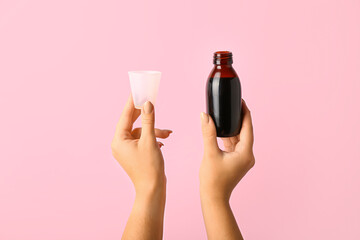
[[170, 131], [205, 117], [148, 107]]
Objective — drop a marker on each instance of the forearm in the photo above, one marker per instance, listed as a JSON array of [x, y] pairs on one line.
[[219, 220], [146, 218]]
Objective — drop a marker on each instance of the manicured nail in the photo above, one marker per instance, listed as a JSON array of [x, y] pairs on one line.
[[170, 131], [205, 117], [148, 107]]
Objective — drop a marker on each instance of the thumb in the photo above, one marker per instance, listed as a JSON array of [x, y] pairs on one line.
[[148, 121], [247, 132], [209, 134]]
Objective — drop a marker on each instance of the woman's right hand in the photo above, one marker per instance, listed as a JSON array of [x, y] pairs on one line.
[[221, 171]]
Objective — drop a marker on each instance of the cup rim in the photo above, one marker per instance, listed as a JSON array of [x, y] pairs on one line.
[[144, 72]]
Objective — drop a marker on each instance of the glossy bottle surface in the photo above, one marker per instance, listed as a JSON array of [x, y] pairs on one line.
[[223, 95]]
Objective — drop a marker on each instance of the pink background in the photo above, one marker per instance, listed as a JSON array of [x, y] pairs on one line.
[[63, 84]]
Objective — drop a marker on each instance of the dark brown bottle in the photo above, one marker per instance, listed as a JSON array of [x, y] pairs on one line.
[[223, 96]]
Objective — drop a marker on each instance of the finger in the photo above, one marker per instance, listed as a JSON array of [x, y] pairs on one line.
[[246, 135], [160, 144], [148, 122], [136, 114], [227, 144], [230, 143], [159, 133], [127, 118], [209, 134]]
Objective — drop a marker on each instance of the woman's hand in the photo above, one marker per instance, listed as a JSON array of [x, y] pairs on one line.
[[220, 172], [137, 150], [139, 154]]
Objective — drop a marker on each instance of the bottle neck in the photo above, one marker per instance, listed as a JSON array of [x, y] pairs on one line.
[[222, 66], [223, 58]]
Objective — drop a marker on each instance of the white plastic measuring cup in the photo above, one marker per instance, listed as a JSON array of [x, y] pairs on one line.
[[144, 86]]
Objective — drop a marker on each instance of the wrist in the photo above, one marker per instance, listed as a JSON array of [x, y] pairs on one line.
[[209, 201], [214, 195], [150, 201], [149, 190]]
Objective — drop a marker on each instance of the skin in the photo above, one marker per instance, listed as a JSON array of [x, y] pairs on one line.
[[220, 172], [140, 156]]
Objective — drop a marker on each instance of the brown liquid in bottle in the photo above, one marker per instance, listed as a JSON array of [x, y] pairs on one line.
[[223, 96]]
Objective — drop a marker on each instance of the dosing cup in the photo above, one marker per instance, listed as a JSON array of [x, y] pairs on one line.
[[144, 86]]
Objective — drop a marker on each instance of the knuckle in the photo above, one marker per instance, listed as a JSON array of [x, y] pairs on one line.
[[146, 120], [208, 132], [210, 136], [147, 144]]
